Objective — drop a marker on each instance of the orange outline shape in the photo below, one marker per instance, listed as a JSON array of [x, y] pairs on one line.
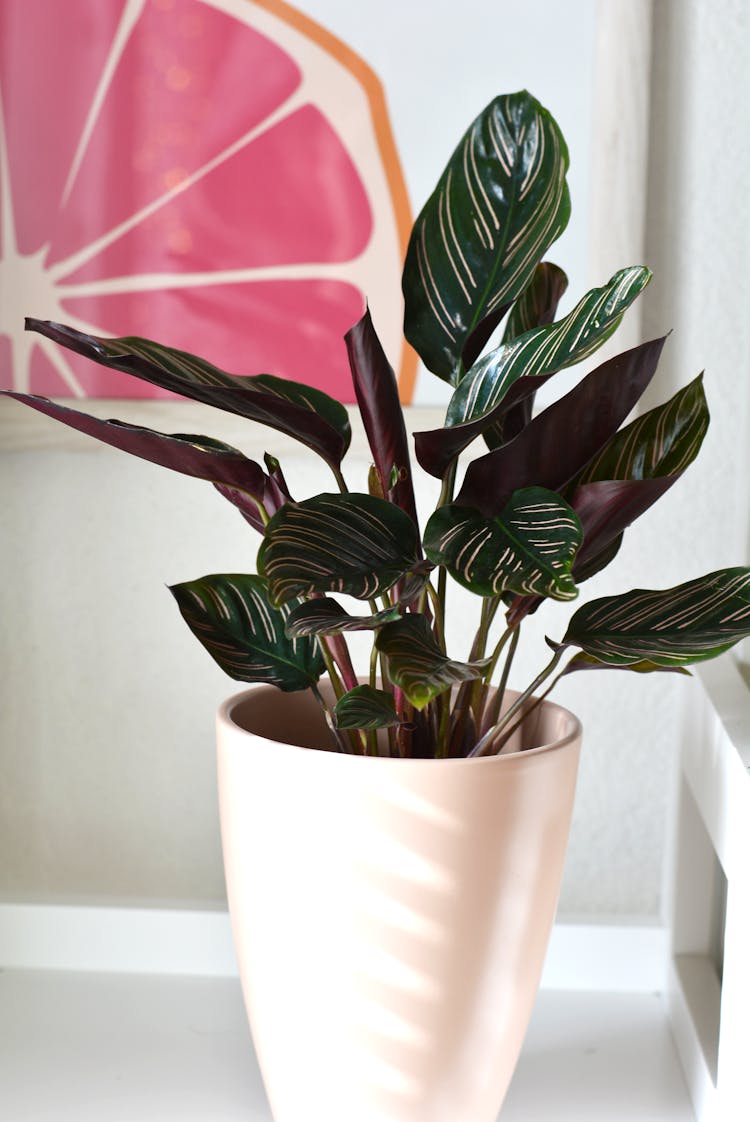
[[373, 88]]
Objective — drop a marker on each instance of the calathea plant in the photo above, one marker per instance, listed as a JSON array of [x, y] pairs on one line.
[[539, 511]]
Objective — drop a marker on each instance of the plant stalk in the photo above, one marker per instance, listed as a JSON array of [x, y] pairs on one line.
[[485, 745]]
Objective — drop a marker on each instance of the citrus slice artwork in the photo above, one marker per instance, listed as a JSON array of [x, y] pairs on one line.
[[218, 175]]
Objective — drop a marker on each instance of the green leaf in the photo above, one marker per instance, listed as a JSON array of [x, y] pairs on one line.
[[353, 543], [365, 708], [671, 627], [326, 617], [662, 442], [300, 411], [481, 398], [416, 663], [232, 617], [528, 548], [583, 661], [501, 201]]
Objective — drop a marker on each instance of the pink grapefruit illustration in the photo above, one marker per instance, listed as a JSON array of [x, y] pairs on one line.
[[219, 175]]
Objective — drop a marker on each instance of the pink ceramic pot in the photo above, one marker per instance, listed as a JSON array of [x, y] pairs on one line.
[[391, 917]]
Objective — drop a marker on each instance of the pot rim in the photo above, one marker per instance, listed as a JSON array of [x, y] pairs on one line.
[[225, 719]]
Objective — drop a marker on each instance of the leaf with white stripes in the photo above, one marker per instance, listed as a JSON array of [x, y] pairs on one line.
[[364, 707], [500, 203], [662, 442], [355, 544], [497, 382], [671, 627], [528, 548], [233, 618], [303, 412], [417, 664], [583, 661], [325, 616]]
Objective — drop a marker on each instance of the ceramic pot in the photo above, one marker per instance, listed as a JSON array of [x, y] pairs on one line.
[[390, 916]]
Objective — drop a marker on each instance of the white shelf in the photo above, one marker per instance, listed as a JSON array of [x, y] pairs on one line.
[[82, 1047]]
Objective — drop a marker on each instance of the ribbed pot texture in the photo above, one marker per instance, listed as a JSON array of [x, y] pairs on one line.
[[390, 917]]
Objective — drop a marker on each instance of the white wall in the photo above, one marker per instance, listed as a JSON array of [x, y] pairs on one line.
[[106, 758]]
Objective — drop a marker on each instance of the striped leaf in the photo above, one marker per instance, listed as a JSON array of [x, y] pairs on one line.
[[562, 439], [326, 617], [416, 663], [198, 456], [631, 472], [365, 708], [662, 442], [307, 414], [354, 543], [481, 399], [233, 618], [501, 201], [528, 548], [636, 467], [583, 661], [692, 622]]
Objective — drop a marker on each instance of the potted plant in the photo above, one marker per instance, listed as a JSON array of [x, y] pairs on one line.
[[394, 838]]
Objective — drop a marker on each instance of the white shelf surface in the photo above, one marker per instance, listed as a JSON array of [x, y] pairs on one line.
[[83, 1047]]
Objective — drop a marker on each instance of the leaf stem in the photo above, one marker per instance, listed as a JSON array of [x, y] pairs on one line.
[[536, 701], [485, 745], [328, 715], [495, 706], [340, 480], [446, 495]]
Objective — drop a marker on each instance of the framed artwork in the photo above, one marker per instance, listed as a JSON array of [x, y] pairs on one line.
[[219, 175]]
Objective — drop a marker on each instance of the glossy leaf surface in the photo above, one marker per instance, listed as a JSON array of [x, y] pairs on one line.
[[233, 618], [501, 201], [480, 399], [583, 661], [307, 414], [365, 708], [354, 543], [528, 548], [561, 440], [662, 442], [198, 456], [416, 663], [325, 616], [672, 627]]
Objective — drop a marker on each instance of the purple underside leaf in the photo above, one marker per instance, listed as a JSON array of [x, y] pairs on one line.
[[435, 449], [307, 414], [607, 507], [562, 439], [197, 456], [476, 341], [535, 307], [379, 405]]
